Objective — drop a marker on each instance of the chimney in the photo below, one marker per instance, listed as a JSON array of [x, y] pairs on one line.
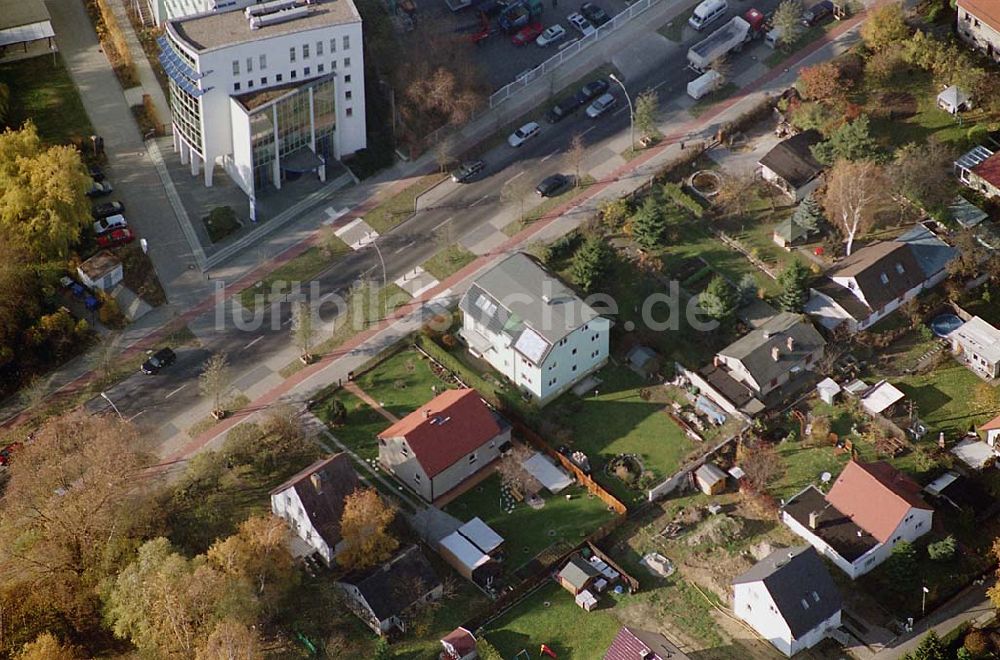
[[775, 353], [790, 343], [317, 481], [716, 361], [427, 414], [813, 521]]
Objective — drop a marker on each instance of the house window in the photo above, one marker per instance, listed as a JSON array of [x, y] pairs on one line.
[[279, 77], [305, 71], [347, 62], [236, 86], [263, 81], [574, 352], [333, 65], [900, 269], [347, 78], [333, 45], [404, 451], [236, 67], [291, 54], [305, 51], [416, 477], [920, 524], [263, 62], [347, 95], [319, 48], [815, 596], [805, 604], [320, 67], [347, 41], [309, 535], [472, 458], [574, 368], [295, 74], [594, 337], [249, 83], [884, 278], [249, 65]]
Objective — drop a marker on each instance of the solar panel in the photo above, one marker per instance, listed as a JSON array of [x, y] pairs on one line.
[[531, 345]]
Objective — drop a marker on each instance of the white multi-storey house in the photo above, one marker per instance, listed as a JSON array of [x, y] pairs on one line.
[[265, 91], [979, 25], [533, 328]]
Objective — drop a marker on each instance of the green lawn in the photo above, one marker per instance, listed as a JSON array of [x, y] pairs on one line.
[[302, 269], [400, 206], [698, 242], [617, 421], [42, 91], [549, 616], [527, 531], [537, 212], [674, 30], [804, 463], [706, 102], [945, 399], [449, 261]]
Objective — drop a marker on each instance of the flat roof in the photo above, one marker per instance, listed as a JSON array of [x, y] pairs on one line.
[[216, 29], [16, 13]]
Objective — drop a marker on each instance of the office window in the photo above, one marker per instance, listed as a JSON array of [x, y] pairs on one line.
[[319, 67], [294, 74], [236, 86], [279, 77], [236, 67], [349, 112], [333, 65], [347, 62], [319, 48], [249, 65], [306, 71], [347, 94], [291, 54], [305, 51], [347, 41], [263, 81], [333, 45], [249, 83], [347, 78], [263, 62]]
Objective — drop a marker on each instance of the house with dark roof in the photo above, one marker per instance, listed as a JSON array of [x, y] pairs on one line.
[[979, 25], [789, 598], [312, 503], [383, 596], [434, 449], [768, 357], [577, 575], [877, 279], [870, 508], [637, 644], [532, 328], [791, 166], [459, 644]]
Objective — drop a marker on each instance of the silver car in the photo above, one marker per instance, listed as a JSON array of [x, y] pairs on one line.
[[601, 105]]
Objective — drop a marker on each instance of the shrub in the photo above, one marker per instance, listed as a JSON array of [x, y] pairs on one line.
[[678, 197], [977, 643], [335, 412], [221, 222], [942, 550]]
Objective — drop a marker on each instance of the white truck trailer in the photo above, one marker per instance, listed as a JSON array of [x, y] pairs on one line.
[[728, 38]]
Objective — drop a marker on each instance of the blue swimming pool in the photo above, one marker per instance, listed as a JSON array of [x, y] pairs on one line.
[[945, 324]]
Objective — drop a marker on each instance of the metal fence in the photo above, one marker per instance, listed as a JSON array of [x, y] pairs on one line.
[[568, 52]]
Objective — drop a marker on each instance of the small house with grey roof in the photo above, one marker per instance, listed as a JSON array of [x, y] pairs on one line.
[[789, 598], [533, 328]]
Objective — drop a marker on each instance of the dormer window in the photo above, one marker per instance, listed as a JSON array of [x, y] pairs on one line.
[[900, 269], [884, 278]]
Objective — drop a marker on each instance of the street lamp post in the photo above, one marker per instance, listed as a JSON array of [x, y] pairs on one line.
[[113, 406], [631, 112], [923, 600]]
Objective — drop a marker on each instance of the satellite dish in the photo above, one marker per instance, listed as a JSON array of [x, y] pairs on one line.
[[825, 477]]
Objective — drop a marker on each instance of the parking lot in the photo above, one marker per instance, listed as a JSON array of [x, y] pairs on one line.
[[500, 60]]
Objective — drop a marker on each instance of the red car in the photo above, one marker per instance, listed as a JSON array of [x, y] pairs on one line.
[[6, 452], [527, 34], [116, 237]]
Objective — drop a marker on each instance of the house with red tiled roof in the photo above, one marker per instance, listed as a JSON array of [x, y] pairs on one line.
[[992, 431], [637, 644], [870, 508], [979, 25], [445, 442]]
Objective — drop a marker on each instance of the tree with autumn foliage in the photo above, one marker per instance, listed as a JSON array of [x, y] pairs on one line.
[[855, 192], [364, 525], [258, 553], [48, 647], [885, 28], [823, 82]]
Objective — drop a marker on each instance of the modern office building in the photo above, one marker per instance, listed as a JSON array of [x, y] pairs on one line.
[[266, 90]]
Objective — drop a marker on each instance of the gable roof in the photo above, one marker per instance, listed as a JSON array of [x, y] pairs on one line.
[[931, 252], [991, 425], [452, 425], [461, 640], [876, 496], [987, 11], [886, 258], [792, 159], [989, 170], [790, 230], [385, 587], [524, 301], [336, 479], [754, 349], [578, 571], [981, 336], [637, 644], [800, 585]]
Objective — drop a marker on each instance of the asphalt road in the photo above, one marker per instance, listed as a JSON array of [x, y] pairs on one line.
[[467, 207]]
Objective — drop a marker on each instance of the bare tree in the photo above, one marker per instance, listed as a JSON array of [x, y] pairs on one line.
[[34, 393], [761, 465], [575, 153], [105, 355], [737, 193], [647, 106], [516, 191], [303, 330], [854, 194], [512, 472], [215, 381], [444, 153]]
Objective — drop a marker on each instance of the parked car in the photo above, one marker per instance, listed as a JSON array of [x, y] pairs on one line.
[[8, 451], [523, 134], [550, 185], [99, 188], [158, 360], [563, 109], [817, 13], [106, 209], [527, 34], [551, 35], [467, 170], [116, 237], [581, 24], [601, 105], [111, 222], [592, 90], [96, 173], [596, 15]]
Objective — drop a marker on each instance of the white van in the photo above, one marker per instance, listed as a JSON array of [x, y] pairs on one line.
[[708, 12]]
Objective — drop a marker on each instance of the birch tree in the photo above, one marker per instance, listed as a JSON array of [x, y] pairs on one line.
[[303, 330], [855, 192]]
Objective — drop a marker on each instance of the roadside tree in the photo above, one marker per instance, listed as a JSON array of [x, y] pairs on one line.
[[885, 28], [303, 330], [788, 21], [215, 382], [647, 106], [576, 151]]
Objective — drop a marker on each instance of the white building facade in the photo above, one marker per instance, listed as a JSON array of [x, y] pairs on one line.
[[979, 25], [268, 91], [754, 604]]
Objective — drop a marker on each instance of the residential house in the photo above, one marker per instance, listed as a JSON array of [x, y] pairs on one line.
[[459, 644], [977, 344], [870, 508], [102, 271], [992, 431], [791, 166], [979, 25], [532, 328], [312, 503], [954, 100], [877, 279], [434, 449], [638, 644], [382, 596], [979, 169], [578, 575], [789, 598], [759, 363]]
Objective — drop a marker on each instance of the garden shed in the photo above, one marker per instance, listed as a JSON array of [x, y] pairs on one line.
[[710, 479], [541, 468]]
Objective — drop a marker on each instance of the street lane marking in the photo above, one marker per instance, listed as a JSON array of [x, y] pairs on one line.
[[619, 111], [332, 216], [176, 391], [427, 287], [288, 320], [443, 222], [587, 131], [478, 200], [659, 85], [254, 341], [350, 225], [403, 247], [513, 177], [550, 155]]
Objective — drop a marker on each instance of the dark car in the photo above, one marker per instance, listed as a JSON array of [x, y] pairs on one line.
[[594, 14], [107, 209], [96, 173], [161, 358], [817, 13], [592, 90], [550, 185], [563, 109], [467, 170], [99, 189], [8, 451]]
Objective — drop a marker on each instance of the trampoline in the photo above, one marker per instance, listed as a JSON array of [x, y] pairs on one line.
[[945, 324]]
